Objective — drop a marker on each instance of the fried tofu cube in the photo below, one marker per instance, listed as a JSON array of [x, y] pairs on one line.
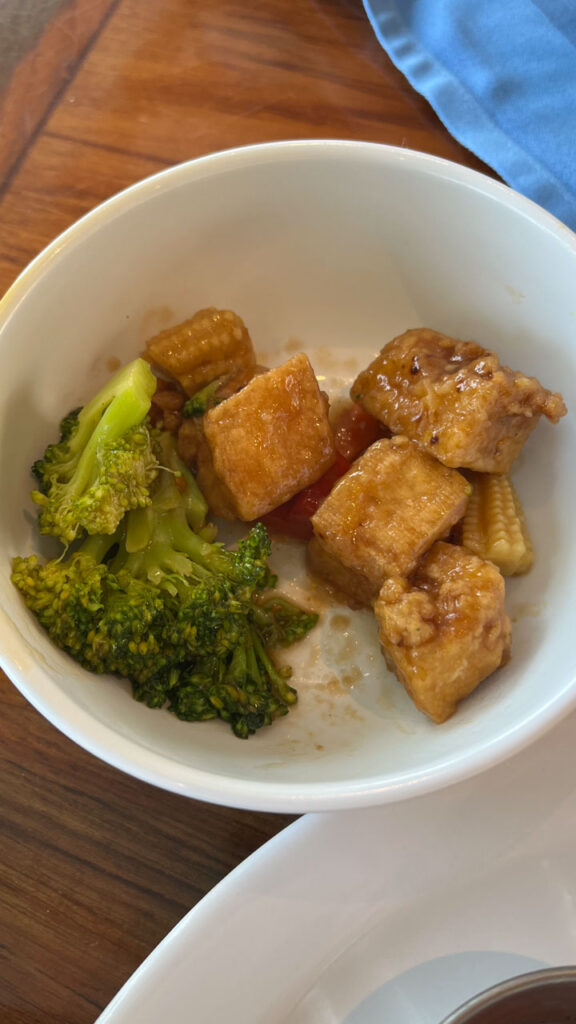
[[268, 441], [389, 508], [454, 399], [445, 629], [348, 585], [212, 344]]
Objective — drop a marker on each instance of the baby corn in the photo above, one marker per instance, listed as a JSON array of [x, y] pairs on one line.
[[212, 344], [494, 526]]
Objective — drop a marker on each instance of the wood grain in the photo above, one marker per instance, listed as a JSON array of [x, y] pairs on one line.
[[44, 68], [172, 80], [95, 867]]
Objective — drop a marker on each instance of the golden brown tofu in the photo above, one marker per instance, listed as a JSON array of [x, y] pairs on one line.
[[213, 344], [454, 399], [349, 585], [389, 508], [445, 629], [270, 440]]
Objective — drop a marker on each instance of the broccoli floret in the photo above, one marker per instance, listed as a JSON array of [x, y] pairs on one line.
[[245, 689], [107, 623], [174, 553], [42, 467], [104, 462], [164, 546], [129, 638], [213, 588], [189, 622], [65, 596], [203, 400], [281, 623]]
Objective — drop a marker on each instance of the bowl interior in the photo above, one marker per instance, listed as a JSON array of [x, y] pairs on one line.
[[330, 248]]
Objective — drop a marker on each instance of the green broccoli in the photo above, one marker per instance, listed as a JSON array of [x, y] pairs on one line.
[[240, 685], [281, 623], [166, 543], [204, 399], [104, 462], [65, 596], [129, 637], [189, 622], [247, 690]]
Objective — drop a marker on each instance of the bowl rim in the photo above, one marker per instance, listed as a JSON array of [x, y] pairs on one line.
[[157, 769], [530, 981], [426, 163]]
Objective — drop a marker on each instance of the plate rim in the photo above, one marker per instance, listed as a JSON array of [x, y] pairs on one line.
[[302, 844]]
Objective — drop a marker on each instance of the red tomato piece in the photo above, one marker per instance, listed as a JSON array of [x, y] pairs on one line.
[[293, 517], [281, 521], [355, 430]]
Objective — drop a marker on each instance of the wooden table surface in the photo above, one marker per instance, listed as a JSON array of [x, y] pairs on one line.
[[96, 867]]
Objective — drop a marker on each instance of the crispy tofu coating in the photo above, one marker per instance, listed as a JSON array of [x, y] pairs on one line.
[[267, 442], [348, 585], [454, 399], [389, 508], [213, 344], [445, 629]]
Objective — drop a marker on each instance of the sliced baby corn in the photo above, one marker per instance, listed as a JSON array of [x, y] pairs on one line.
[[213, 343], [494, 526]]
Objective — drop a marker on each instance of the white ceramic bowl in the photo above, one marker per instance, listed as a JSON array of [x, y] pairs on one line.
[[339, 245]]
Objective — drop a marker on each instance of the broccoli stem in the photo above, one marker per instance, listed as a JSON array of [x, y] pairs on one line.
[[177, 487], [194, 502], [139, 527], [134, 384], [203, 400], [98, 545], [176, 532], [123, 411], [278, 683], [164, 542]]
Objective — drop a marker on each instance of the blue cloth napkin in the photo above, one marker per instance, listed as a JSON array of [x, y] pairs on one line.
[[501, 75]]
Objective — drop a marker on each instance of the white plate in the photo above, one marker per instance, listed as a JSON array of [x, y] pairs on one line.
[[393, 914]]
